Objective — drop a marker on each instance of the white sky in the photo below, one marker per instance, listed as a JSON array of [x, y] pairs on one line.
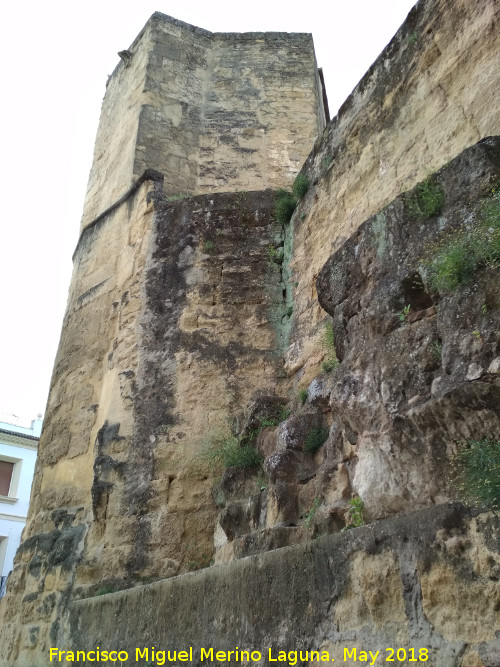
[[55, 57]]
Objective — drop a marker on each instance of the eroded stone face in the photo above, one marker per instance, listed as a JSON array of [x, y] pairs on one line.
[[177, 316], [385, 585], [164, 340], [425, 100], [384, 424], [405, 384]]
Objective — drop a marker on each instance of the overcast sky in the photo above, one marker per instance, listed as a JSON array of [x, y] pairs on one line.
[[55, 59]]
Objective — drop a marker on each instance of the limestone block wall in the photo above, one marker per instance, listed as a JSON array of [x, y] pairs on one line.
[[170, 329], [415, 374], [425, 580], [426, 98], [213, 112], [176, 317], [173, 318], [91, 383]]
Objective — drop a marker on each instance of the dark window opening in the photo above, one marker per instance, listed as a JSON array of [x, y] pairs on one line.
[[6, 469]]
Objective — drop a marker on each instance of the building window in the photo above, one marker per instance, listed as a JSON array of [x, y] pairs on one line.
[[6, 471]]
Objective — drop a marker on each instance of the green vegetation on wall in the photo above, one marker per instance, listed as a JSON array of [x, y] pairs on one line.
[[315, 438], [331, 362], [476, 472], [284, 207], [272, 421], [356, 507], [427, 200], [455, 258], [300, 186], [225, 451], [302, 396], [312, 512], [286, 201], [281, 310]]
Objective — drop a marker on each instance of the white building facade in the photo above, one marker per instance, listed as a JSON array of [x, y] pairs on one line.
[[18, 452]]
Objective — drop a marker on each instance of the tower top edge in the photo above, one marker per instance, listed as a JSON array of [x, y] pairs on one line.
[[165, 18], [269, 36], [160, 16]]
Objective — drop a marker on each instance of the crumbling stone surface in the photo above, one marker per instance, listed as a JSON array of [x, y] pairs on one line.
[[413, 382], [417, 373], [167, 362], [178, 313], [400, 583], [424, 100]]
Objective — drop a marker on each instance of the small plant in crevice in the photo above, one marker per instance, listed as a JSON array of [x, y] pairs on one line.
[[261, 482], [312, 511], [268, 421], [226, 451], [286, 201], [197, 558], [331, 362], [105, 590], [300, 186], [275, 254], [475, 472], [315, 438], [302, 396], [281, 414], [208, 245], [329, 365], [329, 336], [437, 349], [427, 200], [356, 507], [413, 38], [284, 206], [402, 316]]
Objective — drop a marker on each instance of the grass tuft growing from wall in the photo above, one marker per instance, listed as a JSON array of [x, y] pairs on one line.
[[427, 200], [284, 206], [456, 257], [225, 451], [315, 438], [476, 472], [287, 201], [300, 186], [331, 362]]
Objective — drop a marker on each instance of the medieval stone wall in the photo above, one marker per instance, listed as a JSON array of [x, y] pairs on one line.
[[156, 359], [426, 98], [178, 315], [413, 375], [427, 580]]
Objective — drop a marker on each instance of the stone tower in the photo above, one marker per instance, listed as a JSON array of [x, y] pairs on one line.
[[213, 112], [169, 278], [194, 317]]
